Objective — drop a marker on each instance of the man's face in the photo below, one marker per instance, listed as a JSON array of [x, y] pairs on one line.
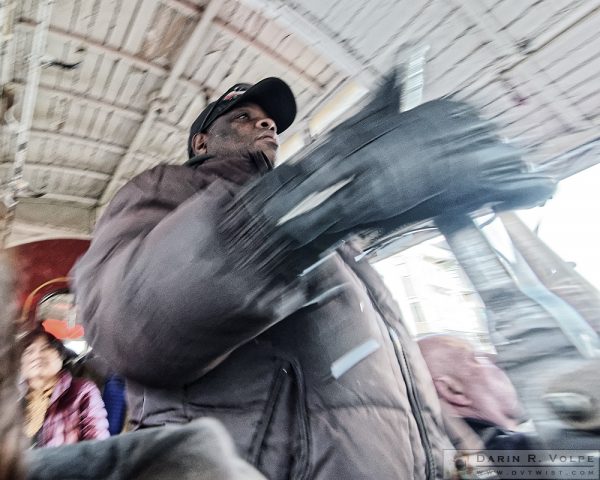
[[246, 128]]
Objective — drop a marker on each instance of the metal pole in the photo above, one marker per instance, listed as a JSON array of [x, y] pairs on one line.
[[531, 346], [16, 183], [33, 79], [7, 43]]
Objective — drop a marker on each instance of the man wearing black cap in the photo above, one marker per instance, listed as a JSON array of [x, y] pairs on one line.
[[220, 288], [270, 100]]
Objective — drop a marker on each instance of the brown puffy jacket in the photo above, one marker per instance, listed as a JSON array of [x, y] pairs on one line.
[[314, 379]]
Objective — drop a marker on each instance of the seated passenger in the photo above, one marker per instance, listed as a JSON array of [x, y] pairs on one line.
[[200, 450], [59, 409], [470, 386]]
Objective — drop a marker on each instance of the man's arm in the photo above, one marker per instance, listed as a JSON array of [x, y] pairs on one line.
[[382, 170], [158, 295], [199, 450]]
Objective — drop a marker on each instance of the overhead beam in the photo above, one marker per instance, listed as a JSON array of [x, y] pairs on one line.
[[114, 53], [187, 8], [28, 232], [192, 10], [194, 46], [313, 36], [135, 60], [85, 142], [103, 177], [7, 42], [159, 70], [59, 197], [25, 228], [566, 22], [318, 101], [43, 211], [38, 47], [537, 46], [269, 53], [92, 102], [567, 154], [14, 184], [553, 97]]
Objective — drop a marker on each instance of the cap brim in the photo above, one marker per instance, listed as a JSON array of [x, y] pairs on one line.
[[275, 97]]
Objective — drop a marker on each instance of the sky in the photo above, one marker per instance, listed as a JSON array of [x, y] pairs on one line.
[[570, 222]]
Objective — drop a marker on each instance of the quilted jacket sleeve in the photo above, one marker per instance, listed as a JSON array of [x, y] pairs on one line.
[[159, 297], [93, 422]]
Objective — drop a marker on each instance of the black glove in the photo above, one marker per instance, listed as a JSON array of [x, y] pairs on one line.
[[382, 166]]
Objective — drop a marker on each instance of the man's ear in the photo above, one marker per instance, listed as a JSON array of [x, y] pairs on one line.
[[452, 391], [199, 143]]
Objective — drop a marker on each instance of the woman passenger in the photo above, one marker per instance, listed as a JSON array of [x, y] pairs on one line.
[[59, 408]]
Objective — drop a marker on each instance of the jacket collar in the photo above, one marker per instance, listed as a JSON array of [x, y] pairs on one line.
[[238, 169], [257, 159], [64, 383], [197, 160]]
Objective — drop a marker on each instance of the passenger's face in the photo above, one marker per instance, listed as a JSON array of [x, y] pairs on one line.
[[471, 382], [491, 391], [243, 129], [40, 363]]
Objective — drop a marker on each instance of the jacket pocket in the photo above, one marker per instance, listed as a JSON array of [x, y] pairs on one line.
[[281, 442]]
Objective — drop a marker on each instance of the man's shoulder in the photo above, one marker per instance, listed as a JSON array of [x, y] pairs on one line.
[[164, 177], [162, 170], [159, 186]]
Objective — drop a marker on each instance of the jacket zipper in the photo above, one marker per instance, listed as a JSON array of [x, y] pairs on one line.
[[267, 415], [413, 399], [301, 466]]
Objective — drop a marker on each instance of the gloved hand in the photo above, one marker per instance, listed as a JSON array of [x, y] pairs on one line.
[[385, 166]]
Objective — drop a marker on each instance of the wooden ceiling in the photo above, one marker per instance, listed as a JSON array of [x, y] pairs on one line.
[[113, 85]]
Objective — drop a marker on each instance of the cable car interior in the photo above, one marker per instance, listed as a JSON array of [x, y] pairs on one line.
[[94, 92]]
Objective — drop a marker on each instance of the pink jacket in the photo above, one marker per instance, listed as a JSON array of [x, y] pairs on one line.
[[76, 412]]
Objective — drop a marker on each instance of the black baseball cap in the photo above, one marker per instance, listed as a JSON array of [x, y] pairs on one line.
[[272, 94]]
